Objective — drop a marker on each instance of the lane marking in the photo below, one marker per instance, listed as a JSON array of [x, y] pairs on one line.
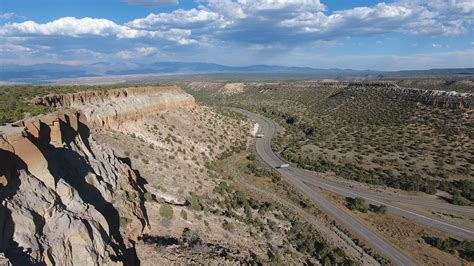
[[395, 207]]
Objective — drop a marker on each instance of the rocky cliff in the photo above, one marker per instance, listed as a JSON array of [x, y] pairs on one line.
[[120, 108], [65, 198]]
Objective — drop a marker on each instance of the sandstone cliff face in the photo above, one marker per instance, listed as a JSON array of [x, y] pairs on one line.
[[65, 198], [121, 108]]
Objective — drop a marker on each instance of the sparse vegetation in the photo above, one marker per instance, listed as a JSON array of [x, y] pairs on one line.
[[367, 132], [124, 222], [17, 101], [148, 196], [166, 211], [229, 226], [357, 203], [194, 203], [184, 214], [382, 209], [465, 248]]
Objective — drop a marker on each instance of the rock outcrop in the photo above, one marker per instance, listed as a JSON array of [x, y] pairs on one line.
[[66, 199], [437, 98], [121, 108]]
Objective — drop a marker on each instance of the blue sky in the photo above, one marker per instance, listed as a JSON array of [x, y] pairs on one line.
[[390, 35]]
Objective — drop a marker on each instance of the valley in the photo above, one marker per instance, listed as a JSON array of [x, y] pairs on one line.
[[170, 174]]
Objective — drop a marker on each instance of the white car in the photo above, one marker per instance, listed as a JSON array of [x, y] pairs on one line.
[[283, 166]]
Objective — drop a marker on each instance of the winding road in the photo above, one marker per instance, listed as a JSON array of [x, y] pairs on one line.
[[303, 180]]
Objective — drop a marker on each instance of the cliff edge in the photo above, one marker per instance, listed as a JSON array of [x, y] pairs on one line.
[[120, 108], [67, 199]]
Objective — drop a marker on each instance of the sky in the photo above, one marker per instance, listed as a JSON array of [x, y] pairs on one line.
[[356, 34]]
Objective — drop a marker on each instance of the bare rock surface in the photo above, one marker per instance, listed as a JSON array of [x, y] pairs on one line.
[[65, 198], [121, 108]]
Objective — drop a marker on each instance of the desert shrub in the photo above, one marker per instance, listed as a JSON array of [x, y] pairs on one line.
[[184, 215], [465, 248], [382, 209], [148, 196], [306, 239], [228, 226], [357, 203], [166, 211], [124, 222], [194, 203], [251, 157], [457, 200]]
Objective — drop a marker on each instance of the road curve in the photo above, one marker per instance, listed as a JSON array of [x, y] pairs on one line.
[[292, 175], [394, 204]]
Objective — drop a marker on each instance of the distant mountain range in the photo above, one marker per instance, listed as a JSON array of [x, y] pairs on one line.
[[48, 72]]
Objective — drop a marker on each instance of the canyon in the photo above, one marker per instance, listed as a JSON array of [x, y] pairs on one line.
[[148, 174]]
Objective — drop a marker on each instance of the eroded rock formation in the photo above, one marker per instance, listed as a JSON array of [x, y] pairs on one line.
[[121, 108], [65, 198]]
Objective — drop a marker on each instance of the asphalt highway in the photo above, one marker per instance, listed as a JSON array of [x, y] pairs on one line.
[[303, 180]]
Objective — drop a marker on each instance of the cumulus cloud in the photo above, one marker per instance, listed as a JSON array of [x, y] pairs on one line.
[[153, 2], [380, 18], [435, 45], [267, 21], [73, 27], [179, 18], [303, 21], [277, 8], [256, 26]]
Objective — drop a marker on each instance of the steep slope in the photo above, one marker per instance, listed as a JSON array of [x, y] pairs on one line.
[[66, 198]]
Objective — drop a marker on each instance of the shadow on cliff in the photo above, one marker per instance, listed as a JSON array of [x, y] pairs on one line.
[[67, 164], [10, 167], [139, 186]]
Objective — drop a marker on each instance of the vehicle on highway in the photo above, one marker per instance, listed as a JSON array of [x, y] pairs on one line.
[[259, 135], [283, 165]]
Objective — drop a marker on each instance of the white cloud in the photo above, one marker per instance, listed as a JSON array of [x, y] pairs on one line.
[[242, 8], [436, 45], [179, 18], [137, 52], [9, 47], [380, 18], [7, 15], [145, 51], [270, 28], [73, 27], [153, 2], [267, 21], [125, 54], [10, 16]]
